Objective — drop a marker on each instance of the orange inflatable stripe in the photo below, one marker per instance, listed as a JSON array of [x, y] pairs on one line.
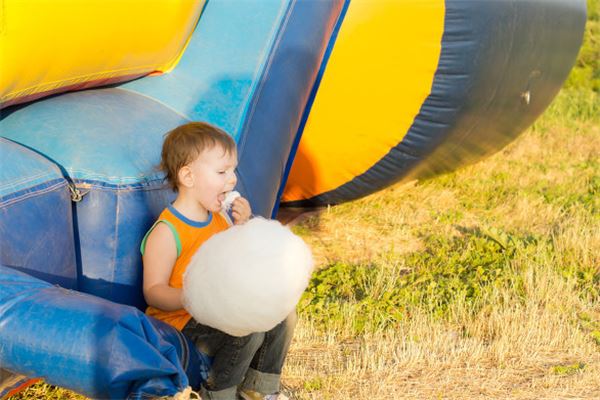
[[50, 46], [21, 387], [379, 73], [69, 88]]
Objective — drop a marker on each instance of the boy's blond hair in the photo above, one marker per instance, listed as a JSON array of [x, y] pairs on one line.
[[183, 144]]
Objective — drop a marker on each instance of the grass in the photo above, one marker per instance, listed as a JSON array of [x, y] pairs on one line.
[[483, 283], [47, 392]]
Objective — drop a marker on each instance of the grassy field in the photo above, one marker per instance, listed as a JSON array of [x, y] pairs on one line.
[[484, 283]]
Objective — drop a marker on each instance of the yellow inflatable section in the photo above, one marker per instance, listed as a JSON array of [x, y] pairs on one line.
[[379, 73], [44, 50]]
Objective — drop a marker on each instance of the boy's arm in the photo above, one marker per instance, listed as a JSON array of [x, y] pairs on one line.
[[159, 258]]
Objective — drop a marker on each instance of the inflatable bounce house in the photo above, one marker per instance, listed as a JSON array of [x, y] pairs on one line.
[[327, 100]]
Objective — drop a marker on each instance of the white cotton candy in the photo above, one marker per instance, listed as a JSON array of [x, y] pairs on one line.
[[229, 198], [248, 278]]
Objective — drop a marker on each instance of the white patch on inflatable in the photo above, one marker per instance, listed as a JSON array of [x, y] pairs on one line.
[[248, 278]]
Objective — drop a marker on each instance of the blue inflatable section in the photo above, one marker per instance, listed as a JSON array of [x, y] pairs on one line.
[[276, 114], [245, 63], [35, 216], [91, 345], [249, 69], [222, 64], [111, 162]]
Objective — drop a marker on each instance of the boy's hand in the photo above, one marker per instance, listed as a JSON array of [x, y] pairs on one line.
[[240, 211]]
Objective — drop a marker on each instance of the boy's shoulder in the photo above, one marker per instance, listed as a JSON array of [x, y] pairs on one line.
[[160, 238]]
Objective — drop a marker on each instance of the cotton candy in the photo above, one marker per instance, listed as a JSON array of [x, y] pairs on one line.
[[229, 198], [248, 278]]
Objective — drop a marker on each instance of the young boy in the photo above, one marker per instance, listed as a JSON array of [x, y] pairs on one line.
[[199, 161]]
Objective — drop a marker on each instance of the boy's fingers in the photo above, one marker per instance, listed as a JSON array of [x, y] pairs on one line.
[[240, 207], [240, 210], [237, 219], [235, 210], [241, 200], [239, 216]]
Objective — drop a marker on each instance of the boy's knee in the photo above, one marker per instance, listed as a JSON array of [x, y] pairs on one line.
[[291, 321], [285, 329], [288, 324], [250, 342]]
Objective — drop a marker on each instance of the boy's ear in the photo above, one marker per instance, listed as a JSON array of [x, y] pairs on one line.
[[185, 176]]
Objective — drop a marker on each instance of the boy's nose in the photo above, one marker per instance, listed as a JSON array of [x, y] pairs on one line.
[[232, 181]]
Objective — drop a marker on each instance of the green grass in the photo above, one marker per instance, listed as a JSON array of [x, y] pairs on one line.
[[586, 73], [567, 369], [449, 269]]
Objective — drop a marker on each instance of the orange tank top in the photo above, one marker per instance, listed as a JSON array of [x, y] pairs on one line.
[[189, 236]]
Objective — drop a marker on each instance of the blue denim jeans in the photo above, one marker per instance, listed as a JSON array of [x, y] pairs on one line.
[[248, 362]]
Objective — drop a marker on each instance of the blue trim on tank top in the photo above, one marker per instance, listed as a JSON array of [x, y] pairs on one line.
[[195, 224]]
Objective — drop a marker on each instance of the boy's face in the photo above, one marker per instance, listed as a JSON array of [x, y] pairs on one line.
[[212, 175]]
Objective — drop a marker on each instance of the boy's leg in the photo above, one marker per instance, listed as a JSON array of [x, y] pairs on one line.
[[231, 358], [265, 370]]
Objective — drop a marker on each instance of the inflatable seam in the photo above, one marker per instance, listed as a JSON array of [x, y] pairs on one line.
[[29, 193], [27, 179], [101, 185], [155, 100]]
